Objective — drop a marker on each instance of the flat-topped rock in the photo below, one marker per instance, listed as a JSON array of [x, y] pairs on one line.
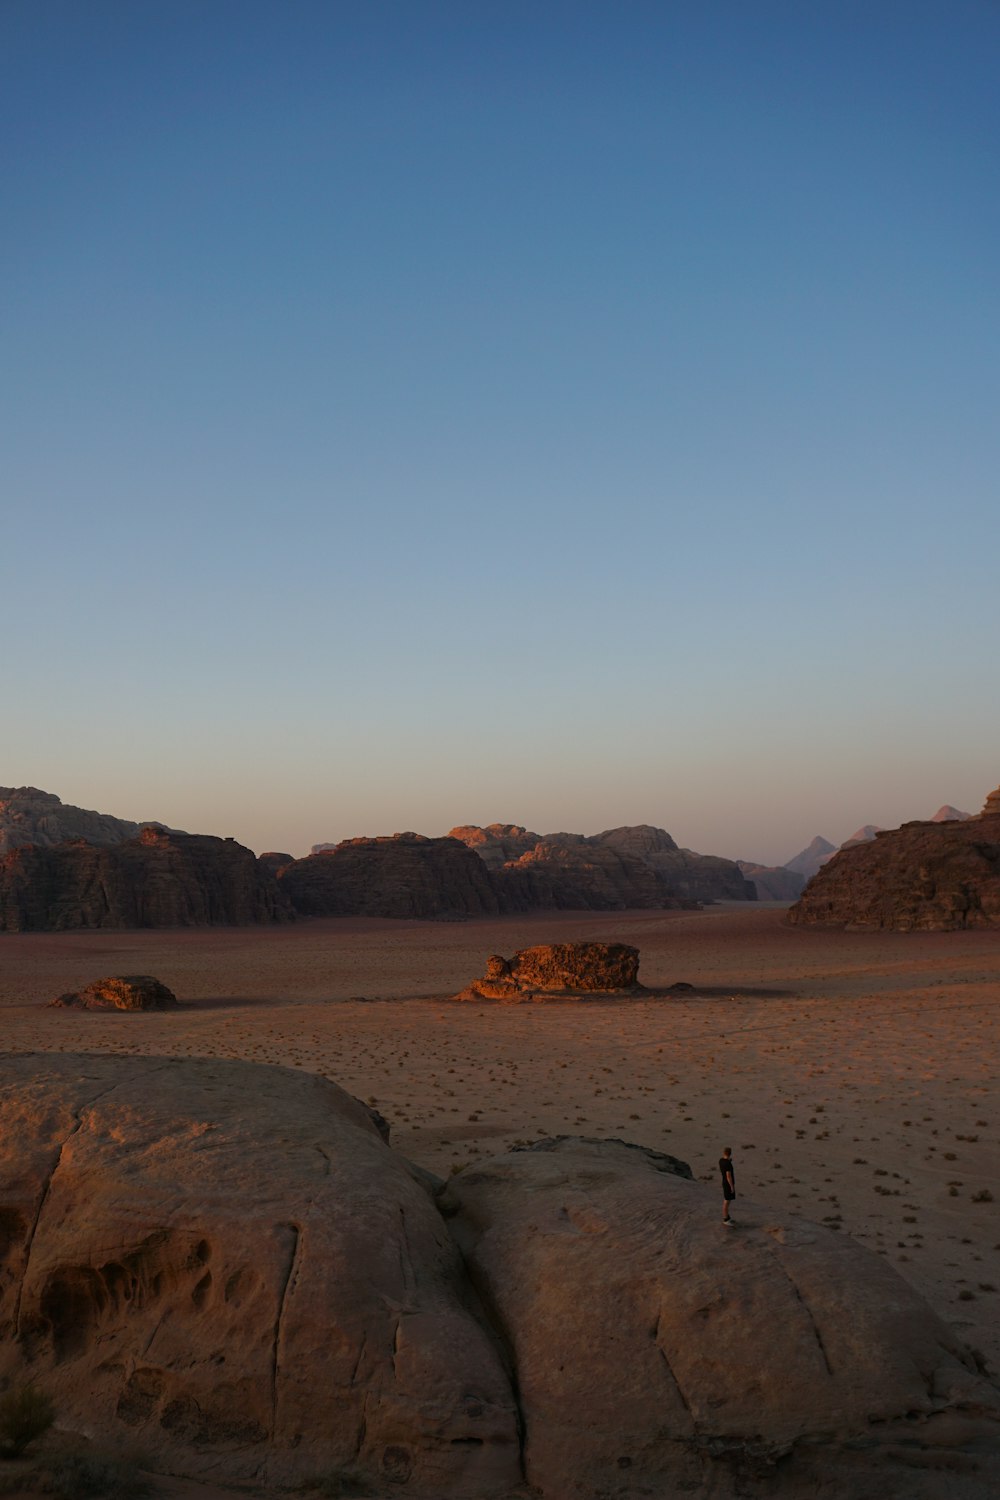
[[559, 969], [121, 992]]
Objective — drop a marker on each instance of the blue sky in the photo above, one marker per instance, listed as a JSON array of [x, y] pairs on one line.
[[571, 414]]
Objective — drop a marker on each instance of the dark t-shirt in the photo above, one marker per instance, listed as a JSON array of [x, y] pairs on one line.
[[728, 1171]]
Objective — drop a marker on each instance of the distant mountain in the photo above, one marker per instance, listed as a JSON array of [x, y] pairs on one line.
[[930, 876], [31, 818], [862, 835], [948, 814], [809, 860], [773, 882]]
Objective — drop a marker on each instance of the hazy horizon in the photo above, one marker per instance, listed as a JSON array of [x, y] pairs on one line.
[[564, 414], [302, 844]]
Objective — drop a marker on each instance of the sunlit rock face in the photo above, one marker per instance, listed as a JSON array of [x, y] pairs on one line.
[[658, 1354], [121, 992], [931, 876], [32, 817], [229, 1267], [559, 969], [159, 879]]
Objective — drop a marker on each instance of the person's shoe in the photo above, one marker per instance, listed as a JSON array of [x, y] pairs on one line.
[[729, 1223]]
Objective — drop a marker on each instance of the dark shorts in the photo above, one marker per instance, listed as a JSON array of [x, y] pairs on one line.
[[727, 1192]]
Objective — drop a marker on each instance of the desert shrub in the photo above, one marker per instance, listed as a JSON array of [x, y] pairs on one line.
[[25, 1413], [93, 1477]]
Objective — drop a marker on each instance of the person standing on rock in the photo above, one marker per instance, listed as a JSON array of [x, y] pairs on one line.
[[728, 1183]]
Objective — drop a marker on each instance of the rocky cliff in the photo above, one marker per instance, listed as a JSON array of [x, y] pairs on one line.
[[928, 876], [159, 879], [28, 816], [228, 1268], [405, 875], [625, 867], [690, 876]]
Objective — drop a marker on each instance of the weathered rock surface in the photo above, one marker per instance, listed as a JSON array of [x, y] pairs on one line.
[[274, 862], [926, 876], [121, 992], [577, 969], [812, 857], [690, 876], [498, 843], [622, 868], [406, 875], [569, 872], [658, 1355], [773, 882], [159, 879], [29, 816], [226, 1266]]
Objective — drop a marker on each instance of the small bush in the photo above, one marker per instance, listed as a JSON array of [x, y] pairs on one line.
[[25, 1413]]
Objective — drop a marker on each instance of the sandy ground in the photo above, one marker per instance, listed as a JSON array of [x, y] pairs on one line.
[[854, 1075]]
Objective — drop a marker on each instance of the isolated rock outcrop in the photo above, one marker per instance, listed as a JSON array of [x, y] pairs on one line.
[[121, 992], [927, 876], [559, 969], [32, 817], [274, 862], [406, 875], [658, 1355], [159, 879], [226, 1266]]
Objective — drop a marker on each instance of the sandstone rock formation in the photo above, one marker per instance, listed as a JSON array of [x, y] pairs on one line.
[[29, 816], [159, 879], [773, 882], [927, 876], [273, 862], [630, 867], [690, 876], [812, 857], [121, 992], [565, 969], [653, 1359], [569, 872], [228, 1267], [498, 843], [406, 875]]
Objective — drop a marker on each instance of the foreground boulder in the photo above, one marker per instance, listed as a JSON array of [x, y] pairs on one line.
[[931, 876], [227, 1266], [160, 879], [657, 1354], [123, 992], [559, 969]]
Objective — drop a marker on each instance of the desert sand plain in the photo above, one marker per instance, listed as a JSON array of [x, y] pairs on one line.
[[854, 1074]]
